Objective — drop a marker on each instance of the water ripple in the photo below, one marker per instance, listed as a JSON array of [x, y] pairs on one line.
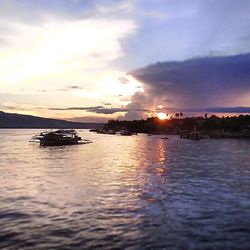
[[138, 192]]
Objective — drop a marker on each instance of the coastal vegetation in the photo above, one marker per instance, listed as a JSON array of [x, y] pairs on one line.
[[214, 126]]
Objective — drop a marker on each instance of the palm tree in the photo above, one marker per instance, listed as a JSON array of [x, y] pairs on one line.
[[181, 114]]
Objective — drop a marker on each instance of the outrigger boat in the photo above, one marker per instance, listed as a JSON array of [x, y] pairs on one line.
[[59, 138]]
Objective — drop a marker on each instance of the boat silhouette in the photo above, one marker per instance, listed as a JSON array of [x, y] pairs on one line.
[[59, 138]]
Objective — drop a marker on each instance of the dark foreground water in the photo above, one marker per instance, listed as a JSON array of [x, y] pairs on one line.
[[135, 192]]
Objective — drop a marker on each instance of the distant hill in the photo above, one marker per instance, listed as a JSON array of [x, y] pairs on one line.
[[9, 120]]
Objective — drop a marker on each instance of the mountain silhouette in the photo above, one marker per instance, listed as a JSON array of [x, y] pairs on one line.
[[9, 120]]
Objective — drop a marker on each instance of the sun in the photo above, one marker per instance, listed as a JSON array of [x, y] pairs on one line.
[[162, 116]]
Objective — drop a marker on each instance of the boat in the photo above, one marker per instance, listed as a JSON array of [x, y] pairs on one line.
[[102, 131], [127, 133], [111, 132], [93, 130], [59, 138]]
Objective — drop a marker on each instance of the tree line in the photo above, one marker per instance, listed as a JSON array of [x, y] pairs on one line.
[[178, 123]]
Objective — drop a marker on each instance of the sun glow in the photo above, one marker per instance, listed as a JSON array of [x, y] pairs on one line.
[[162, 116], [59, 49]]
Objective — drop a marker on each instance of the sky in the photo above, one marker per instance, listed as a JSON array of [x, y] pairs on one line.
[[96, 60]]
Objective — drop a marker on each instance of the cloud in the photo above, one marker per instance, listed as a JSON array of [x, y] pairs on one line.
[[96, 109], [99, 119], [125, 98], [29, 10], [70, 87], [66, 46], [17, 106], [74, 87], [187, 29], [123, 80], [196, 84], [230, 110], [216, 110], [59, 48]]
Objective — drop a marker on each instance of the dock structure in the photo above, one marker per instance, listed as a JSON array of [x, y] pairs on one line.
[[194, 135]]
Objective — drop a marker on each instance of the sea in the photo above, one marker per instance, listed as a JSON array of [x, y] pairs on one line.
[[124, 192]]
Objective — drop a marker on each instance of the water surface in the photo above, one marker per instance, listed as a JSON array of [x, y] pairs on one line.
[[136, 192]]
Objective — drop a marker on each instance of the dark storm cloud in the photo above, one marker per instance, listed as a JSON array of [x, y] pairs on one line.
[[95, 109], [202, 82], [235, 110], [224, 110]]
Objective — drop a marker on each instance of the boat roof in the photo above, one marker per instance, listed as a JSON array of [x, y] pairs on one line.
[[65, 131], [61, 131]]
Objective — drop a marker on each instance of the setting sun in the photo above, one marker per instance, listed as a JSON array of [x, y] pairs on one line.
[[162, 116]]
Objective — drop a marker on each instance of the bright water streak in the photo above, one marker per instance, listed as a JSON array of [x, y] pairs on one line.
[[134, 192]]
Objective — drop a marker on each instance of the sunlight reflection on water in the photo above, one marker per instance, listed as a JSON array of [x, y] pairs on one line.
[[134, 192]]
